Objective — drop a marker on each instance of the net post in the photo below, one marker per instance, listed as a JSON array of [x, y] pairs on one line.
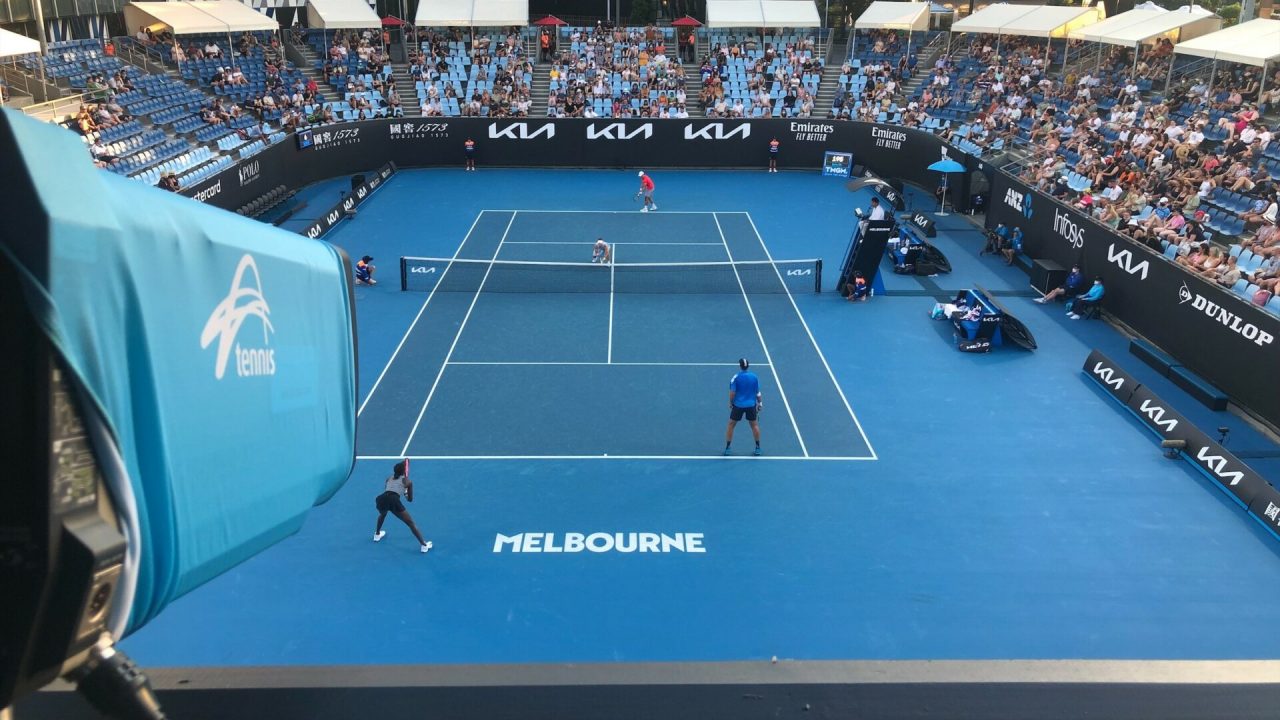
[[404, 274], [817, 280]]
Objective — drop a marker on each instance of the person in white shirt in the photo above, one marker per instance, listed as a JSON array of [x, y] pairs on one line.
[[876, 212]]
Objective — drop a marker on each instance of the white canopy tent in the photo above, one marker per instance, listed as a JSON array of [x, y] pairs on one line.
[[341, 15], [1256, 42], [1027, 21], [886, 15], [762, 13], [1044, 21], [13, 44], [471, 13], [198, 17], [1138, 26]]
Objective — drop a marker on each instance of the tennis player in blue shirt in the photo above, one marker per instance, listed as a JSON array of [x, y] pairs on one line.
[[744, 399]]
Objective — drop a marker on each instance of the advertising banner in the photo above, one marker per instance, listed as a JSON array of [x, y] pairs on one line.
[[900, 153], [1221, 337], [1238, 479], [349, 203]]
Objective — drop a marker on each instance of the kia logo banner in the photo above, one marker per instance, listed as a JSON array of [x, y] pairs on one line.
[[1232, 475], [888, 150], [318, 228], [1216, 334]]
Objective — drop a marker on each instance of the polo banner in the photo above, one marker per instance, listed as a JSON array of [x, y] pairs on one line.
[[894, 152], [1232, 475], [1216, 334], [349, 203]]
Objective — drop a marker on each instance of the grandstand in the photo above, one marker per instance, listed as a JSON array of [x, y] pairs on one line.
[[1143, 149]]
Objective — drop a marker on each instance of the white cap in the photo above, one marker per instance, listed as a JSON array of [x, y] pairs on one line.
[[641, 173]]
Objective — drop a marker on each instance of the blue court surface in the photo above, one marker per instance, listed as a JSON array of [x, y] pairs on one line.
[[912, 502]]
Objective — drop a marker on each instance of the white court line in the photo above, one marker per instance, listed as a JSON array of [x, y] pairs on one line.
[[457, 336], [753, 458], [809, 332], [588, 242], [636, 364], [781, 393], [418, 317], [613, 260]]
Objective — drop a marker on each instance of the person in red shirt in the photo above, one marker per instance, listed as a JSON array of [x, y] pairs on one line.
[[646, 189]]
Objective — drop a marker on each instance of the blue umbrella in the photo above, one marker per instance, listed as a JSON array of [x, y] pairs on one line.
[[946, 165]]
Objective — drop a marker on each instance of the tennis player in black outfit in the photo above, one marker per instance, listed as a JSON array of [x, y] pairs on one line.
[[389, 502]]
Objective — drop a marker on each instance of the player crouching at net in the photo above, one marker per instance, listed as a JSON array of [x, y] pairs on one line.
[[646, 189], [601, 252], [744, 399], [389, 502]]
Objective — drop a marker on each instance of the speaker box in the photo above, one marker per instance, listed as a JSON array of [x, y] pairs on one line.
[[858, 171]]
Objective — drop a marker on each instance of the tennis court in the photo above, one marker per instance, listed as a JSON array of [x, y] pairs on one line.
[[523, 348]]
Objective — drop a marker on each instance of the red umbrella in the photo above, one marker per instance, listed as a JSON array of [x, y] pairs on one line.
[[686, 21], [392, 21], [550, 20]]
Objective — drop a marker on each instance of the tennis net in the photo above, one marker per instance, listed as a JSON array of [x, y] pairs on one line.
[[514, 276]]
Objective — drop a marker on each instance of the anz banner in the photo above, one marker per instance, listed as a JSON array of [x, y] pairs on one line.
[[1218, 335], [1240, 481], [890, 151]]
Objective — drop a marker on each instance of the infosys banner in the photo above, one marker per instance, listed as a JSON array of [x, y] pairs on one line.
[[1218, 335], [888, 150], [1238, 480]]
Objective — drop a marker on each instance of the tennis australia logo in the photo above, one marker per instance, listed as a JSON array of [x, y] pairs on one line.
[[891, 139], [1123, 259], [1230, 320], [521, 131], [240, 304], [618, 131], [1018, 201], [716, 131], [1067, 229], [249, 172], [599, 542]]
